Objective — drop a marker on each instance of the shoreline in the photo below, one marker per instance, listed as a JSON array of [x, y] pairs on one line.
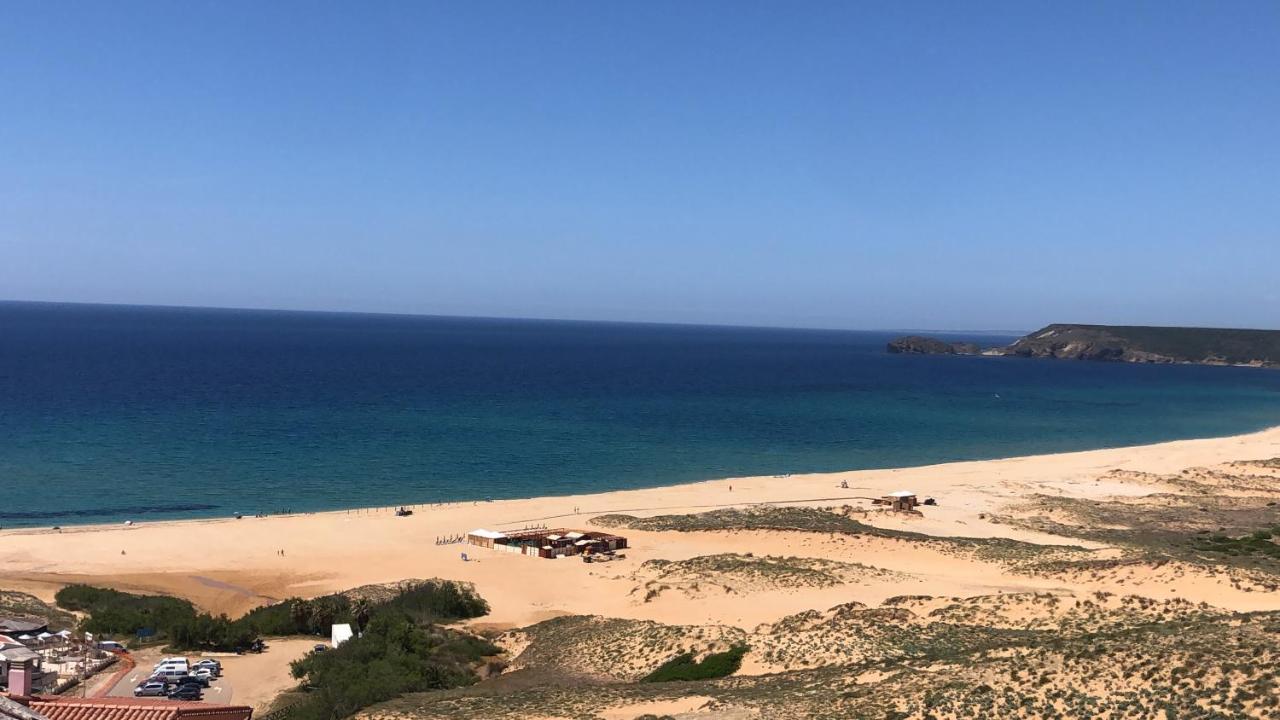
[[426, 506], [246, 563]]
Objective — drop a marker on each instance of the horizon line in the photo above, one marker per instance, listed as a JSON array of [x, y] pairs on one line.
[[742, 326]]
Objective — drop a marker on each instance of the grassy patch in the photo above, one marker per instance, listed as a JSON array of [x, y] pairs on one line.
[[684, 667], [394, 655], [22, 605], [1190, 667], [732, 572], [1261, 542], [826, 520]]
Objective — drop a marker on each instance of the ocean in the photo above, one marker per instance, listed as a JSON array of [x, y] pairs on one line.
[[110, 413]]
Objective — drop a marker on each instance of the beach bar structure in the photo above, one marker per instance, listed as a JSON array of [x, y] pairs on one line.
[[485, 538], [901, 500], [550, 544]]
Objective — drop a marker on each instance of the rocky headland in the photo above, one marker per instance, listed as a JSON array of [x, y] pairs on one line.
[[1202, 346]]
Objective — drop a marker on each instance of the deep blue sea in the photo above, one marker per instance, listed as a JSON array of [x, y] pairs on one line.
[[111, 412]]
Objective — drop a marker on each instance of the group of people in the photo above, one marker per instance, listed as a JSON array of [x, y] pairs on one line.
[[257, 514], [451, 539]]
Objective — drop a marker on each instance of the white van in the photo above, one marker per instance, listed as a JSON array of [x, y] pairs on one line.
[[172, 661], [169, 674], [112, 646], [167, 668]]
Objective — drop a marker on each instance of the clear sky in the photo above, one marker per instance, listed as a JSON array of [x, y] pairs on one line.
[[942, 165]]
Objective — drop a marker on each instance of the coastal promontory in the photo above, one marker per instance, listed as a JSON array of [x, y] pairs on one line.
[[1116, 343], [919, 345]]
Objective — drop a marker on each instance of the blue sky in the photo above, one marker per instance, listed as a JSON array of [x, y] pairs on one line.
[[868, 165]]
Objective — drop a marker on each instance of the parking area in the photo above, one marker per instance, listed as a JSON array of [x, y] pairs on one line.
[[252, 679]]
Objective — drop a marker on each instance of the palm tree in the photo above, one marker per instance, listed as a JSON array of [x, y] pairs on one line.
[[360, 609], [300, 613]]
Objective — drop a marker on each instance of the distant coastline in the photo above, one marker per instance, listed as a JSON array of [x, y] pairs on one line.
[[1160, 345]]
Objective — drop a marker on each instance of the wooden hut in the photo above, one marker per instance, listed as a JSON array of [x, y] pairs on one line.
[[485, 538], [547, 543], [901, 500]]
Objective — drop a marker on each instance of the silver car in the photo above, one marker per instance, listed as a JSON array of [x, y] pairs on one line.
[[150, 689]]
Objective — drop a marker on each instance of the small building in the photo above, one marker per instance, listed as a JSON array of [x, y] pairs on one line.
[[485, 538], [547, 543], [21, 669], [901, 500]]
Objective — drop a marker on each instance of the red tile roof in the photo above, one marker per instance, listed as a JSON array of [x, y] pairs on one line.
[[124, 708]]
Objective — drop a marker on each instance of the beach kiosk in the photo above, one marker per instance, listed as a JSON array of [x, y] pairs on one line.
[[903, 500], [485, 538]]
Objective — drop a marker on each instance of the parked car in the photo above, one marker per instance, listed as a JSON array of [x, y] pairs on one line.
[[186, 692], [319, 648], [112, 646], [193, 680], [204, 675], [150, 688], [210, 663]]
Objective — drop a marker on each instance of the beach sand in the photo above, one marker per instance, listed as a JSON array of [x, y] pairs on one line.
[[230, 566]]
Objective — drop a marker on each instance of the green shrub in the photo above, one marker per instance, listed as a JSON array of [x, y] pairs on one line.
[[438, 601], [684, 667], [394, 655], [112, 612], [176, 621]]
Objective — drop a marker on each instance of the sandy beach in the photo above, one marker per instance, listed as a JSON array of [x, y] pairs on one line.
[[229, 565]]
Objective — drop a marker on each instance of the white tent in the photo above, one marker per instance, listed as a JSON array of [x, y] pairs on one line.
[[45, 636], [339, 634], [25, 637]]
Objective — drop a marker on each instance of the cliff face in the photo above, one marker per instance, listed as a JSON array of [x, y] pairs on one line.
[[916, 344], [1072, 342], [1206, 346]]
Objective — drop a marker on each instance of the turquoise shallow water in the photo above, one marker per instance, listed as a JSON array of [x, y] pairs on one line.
[[109, 413]]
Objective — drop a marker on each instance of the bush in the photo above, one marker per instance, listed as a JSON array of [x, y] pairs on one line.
[[112, 612], [439, 601], [394, 655], [300, 617], [684, 667]]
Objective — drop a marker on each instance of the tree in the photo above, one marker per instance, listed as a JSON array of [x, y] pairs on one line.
[[360, 610], [300, 613]]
